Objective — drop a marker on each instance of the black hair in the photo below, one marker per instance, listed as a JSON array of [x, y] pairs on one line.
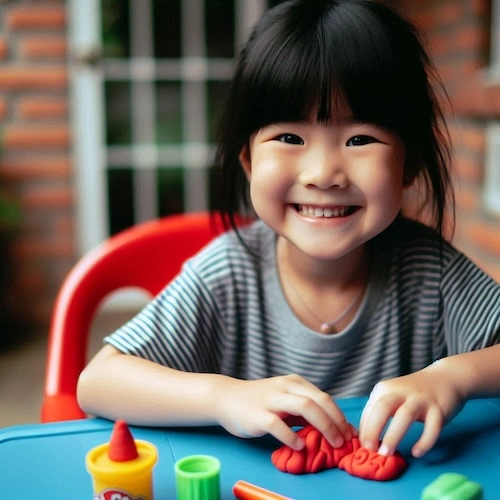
[[302, 56]]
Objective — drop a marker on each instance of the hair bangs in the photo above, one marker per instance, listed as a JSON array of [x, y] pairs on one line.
[[364, 62], [283, 82], [322, 59]]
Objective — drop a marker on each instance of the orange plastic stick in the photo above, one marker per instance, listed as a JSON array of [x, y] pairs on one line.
[[247, 491]]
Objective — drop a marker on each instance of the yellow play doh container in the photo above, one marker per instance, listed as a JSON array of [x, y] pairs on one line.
[[131, 478]]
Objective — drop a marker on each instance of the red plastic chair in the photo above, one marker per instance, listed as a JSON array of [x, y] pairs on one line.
[[146, 256]]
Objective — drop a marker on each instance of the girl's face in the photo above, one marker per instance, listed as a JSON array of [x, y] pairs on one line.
[[326, 188]]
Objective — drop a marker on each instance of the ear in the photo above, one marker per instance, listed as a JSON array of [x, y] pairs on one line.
[[245, 160]]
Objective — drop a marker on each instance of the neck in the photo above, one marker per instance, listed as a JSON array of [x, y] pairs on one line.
[[341, 273], [324, 295]]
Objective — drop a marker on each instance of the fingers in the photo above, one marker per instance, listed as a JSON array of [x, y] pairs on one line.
[[401, 414], [401, 422], [296, 408], [293, 400], [432, 428], [374, 418], [273, 405], [403, 418], [318, 409], [282, 432]]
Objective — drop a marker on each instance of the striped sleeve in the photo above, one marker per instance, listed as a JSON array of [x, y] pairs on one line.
[[471, 306], [180, 328]]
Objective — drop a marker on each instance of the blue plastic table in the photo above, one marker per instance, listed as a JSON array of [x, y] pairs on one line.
[[46, 461]]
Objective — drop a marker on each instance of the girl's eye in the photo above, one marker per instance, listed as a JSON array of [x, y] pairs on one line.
[[290, 139], [360, 140]]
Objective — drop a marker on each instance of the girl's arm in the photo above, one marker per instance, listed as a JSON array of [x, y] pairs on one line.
[[432, 395], [116, 385]]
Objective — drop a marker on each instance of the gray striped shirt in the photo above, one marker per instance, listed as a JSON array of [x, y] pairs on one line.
[[226, 313]]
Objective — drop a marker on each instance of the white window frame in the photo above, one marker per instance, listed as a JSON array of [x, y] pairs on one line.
[[494, 67], [491, 193], [491, 186], [87, 105], [87, 76], [92, 156]]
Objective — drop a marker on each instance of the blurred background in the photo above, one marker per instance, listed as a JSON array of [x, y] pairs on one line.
[[107, 110]]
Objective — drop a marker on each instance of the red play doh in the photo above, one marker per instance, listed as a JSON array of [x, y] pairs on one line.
[[122, 446], [316, 455], [370, 465]]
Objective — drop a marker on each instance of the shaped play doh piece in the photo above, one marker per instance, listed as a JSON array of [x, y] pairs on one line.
[[122, 468], [370, 465], [452, 486], [316, 455], [122, 445]]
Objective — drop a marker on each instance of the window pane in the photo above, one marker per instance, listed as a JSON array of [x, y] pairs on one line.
[[169, 116], [170, 191], [167, 28], [115, 28], [117, 101], [219, 27], [217, 93], [120, 199]]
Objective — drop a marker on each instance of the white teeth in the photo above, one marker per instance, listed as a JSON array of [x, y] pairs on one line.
[[322, 212]]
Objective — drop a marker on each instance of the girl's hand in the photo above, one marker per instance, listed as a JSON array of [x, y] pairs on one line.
[[432, 396], [255, 408]]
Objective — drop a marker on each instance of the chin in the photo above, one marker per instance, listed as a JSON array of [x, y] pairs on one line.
[[327, 253]]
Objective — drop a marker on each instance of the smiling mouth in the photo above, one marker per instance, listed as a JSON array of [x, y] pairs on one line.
[[326, 213]]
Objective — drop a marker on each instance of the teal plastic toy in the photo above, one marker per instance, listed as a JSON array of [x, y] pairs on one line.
[[452, 486]]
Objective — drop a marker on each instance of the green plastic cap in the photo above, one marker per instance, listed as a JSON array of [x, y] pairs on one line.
[[198, 478]]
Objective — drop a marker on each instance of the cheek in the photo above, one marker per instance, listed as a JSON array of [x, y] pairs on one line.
[[390, 187], [384, 186], [268, 180]]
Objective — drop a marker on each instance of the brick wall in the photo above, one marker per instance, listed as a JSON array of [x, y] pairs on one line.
[[35, 161], [458, 34]]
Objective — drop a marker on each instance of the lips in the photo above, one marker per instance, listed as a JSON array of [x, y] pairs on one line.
[[325, 212]]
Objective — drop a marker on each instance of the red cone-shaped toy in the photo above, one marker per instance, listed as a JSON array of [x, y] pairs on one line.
[[122, 445]]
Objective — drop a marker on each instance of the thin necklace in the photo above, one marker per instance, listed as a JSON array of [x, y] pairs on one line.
[[326, 327]]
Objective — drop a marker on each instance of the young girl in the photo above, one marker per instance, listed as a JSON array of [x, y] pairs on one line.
[[332, 292]]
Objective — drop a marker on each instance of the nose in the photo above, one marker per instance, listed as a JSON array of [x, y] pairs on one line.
[[325, 172]]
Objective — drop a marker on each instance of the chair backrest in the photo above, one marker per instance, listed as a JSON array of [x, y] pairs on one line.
[[146, 256]]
